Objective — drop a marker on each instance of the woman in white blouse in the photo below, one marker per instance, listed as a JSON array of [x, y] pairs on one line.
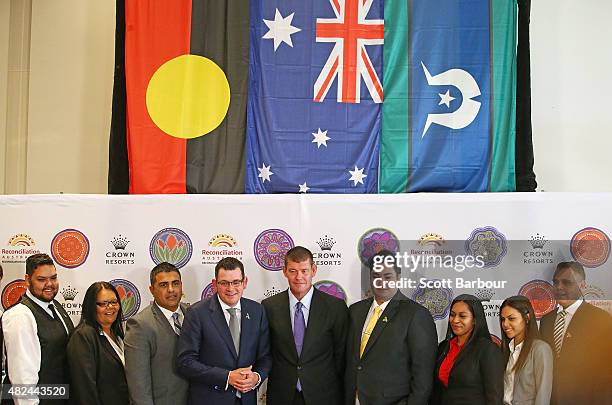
[[529, 360], [95, 350]]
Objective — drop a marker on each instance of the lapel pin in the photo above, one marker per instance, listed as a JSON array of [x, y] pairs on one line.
[[247, 316], [385, 319]]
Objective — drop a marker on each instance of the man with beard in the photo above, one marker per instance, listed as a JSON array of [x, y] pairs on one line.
[[36, 331], [150, 343]]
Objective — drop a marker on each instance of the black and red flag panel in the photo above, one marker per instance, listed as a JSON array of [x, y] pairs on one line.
[[175, 127]]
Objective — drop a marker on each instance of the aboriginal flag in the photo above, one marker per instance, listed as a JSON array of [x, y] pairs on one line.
[[179, 100]]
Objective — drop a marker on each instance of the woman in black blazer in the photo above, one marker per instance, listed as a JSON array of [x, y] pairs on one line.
[[95, 350], [469, 366]]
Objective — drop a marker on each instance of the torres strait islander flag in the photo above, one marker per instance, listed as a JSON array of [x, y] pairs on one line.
[[450, 96], [180, 95], [315, 96]]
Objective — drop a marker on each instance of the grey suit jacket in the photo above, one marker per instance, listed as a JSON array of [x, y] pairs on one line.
[[533, 382], [150, 360]]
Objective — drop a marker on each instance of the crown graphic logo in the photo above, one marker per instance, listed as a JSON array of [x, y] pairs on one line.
[[120, 242], [431, 239], [272, 291], [69, 293], [326, 243], [485, 294], [537, 241]]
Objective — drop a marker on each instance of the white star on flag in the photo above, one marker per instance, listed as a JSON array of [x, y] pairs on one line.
[[445, 98], [304, 188], [320, 138], [280, 30], [264, 172], [357, 176]]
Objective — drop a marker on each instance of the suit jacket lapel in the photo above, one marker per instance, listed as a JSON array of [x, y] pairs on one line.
[[161, 319], [361, 317], [285, 324], [106, 345], [218, 319], [383, 321], [316, 317], [246, 324]]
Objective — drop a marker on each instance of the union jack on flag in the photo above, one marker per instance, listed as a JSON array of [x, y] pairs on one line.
[[349, 61]]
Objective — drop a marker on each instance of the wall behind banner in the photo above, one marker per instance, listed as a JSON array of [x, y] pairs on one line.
[[56, 72]]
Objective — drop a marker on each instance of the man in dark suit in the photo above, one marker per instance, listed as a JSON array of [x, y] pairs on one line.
[[308, 336], [150, 343], [579, 335], [224, 347], [391, 345]]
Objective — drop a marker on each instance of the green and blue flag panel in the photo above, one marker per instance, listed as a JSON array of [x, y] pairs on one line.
[[449, 111]]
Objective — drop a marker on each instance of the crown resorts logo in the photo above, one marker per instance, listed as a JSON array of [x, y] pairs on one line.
[[485, 294], [538, 253], [219, 246], [69, 293], [120, 255], [171, 245], [326, 257], [72, 307], [18, 248], [272, 291]]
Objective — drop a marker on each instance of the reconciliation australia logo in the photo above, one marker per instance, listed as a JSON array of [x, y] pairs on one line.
[[120, 255], [18, 248], [220, 246], [327, 257], [538, 253], [72, 307]]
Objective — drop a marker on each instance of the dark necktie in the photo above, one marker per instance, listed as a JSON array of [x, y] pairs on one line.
[[56, 316]]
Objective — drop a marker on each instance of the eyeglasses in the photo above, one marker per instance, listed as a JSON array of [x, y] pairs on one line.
[[226, 284], [106, 304]]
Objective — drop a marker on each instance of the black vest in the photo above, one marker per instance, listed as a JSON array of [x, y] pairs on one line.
[[53, 341]]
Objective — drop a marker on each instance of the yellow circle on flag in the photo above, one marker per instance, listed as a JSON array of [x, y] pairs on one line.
[[188, 96]]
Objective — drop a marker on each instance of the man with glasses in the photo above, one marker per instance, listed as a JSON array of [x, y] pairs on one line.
[[224, 347], [151, 342], [36, 331]]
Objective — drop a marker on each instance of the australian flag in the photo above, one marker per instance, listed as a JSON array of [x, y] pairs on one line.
[[314, 96]]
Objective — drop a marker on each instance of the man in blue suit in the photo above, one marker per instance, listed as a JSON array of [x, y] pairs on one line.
[[224, 347]]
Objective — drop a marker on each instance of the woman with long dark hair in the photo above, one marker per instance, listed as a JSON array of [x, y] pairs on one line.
[[529, 360], [95, 350], [469, 366]]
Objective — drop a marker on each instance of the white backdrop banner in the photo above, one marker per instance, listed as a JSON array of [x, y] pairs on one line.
[[519, 237]]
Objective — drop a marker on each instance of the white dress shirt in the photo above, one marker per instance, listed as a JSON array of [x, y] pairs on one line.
[[371, 313], [168, 314], [515, 352], [570, 311], [22, 344], [306, 301], [117, 347]]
